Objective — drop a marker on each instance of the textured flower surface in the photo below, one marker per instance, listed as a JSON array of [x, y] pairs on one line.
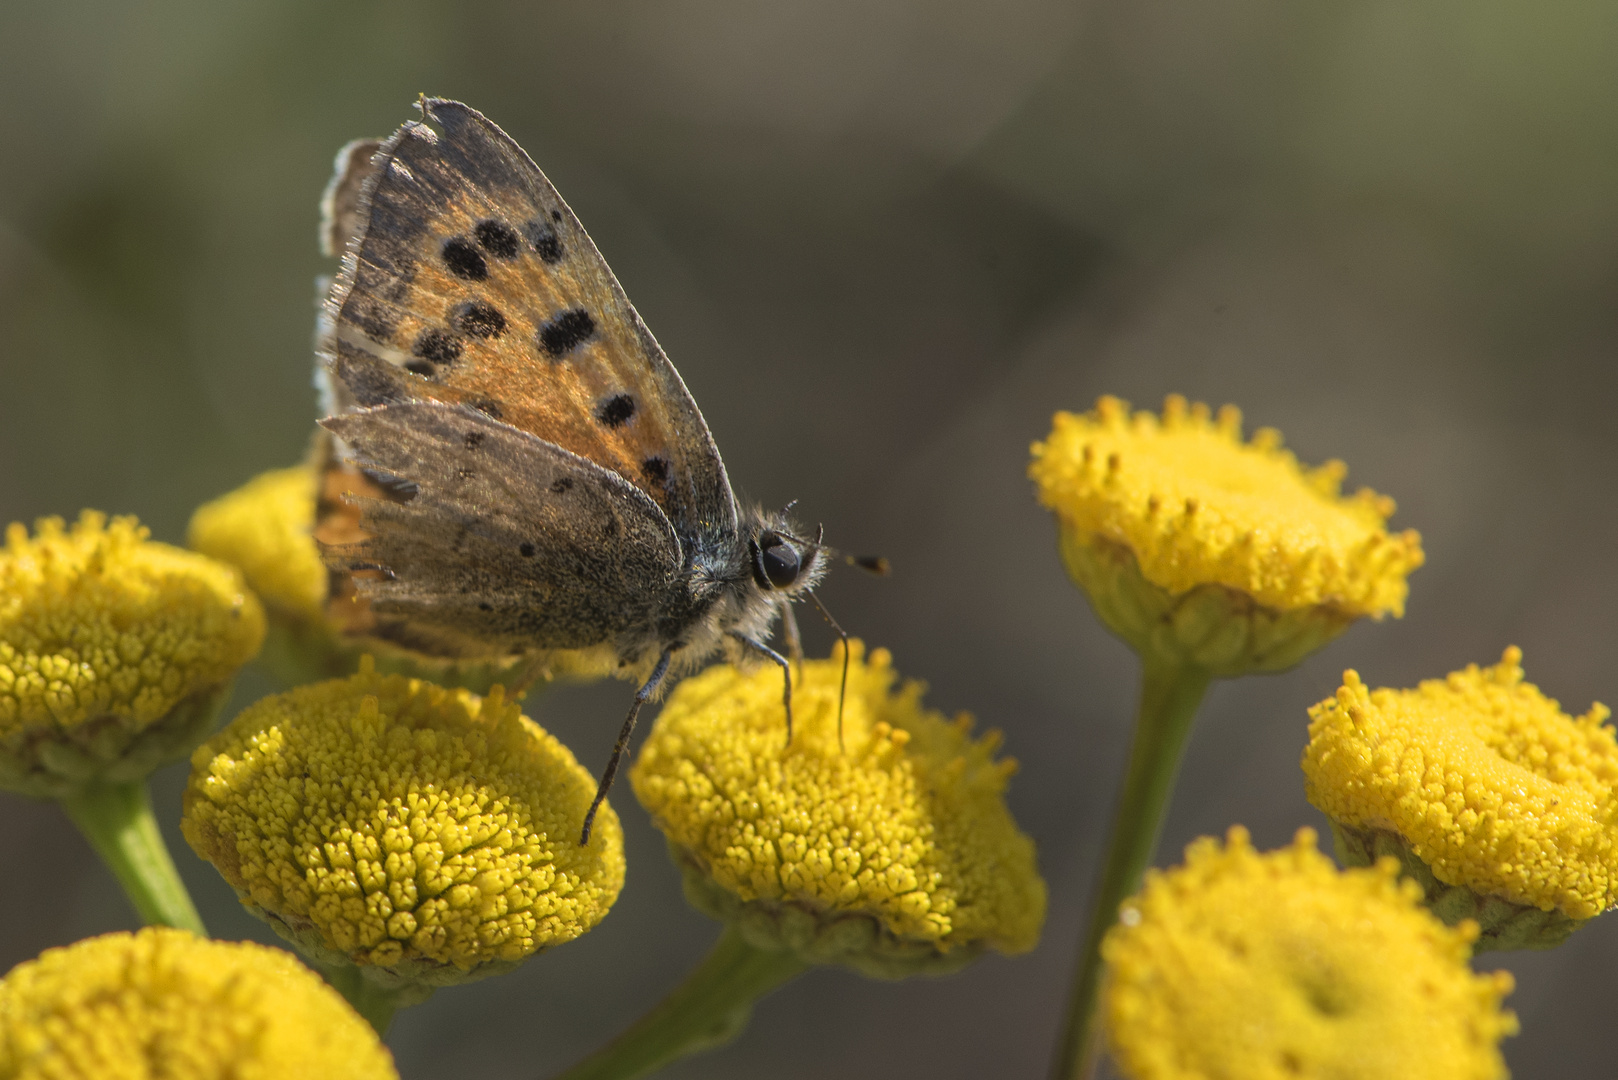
[[164, 1005], [114, 650], [1490, 783], [1196, 505], [263, 528], [892, 853], [1194, 544], [422, 833], [1278, 966]]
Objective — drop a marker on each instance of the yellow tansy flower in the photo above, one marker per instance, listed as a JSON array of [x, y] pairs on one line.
[[263, 528], [426, 835], [164, 1005], [1194, 544], [1484, 780], [1280, 967], [267, 528], [894, 855], [115, 652]]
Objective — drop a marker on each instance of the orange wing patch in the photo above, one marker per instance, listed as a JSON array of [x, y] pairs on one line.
[[475, 284]]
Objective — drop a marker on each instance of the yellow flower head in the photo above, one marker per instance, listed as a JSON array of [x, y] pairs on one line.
[[1280, 967], [1485, 780], [892, 854], [266, 529], [263, 529], [426, 835], [161, 1003], [1227, 553], [115, 652]]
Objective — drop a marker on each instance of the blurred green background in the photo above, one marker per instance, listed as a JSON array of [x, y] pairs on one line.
[[883, 240]]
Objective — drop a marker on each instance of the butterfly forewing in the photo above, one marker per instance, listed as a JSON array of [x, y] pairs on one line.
[[468, 280]]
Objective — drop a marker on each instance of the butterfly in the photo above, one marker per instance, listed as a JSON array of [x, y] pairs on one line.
[[524, 470]]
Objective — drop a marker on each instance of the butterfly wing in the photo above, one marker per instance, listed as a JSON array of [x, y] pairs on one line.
[[340, 205], [500, 542], [468, 280]]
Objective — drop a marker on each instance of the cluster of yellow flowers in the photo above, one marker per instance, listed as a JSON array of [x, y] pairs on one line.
[[404, 835], [1216, 557]]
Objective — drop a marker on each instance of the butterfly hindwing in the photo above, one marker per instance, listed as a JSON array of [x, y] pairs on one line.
[[470, 281], [502, 542]]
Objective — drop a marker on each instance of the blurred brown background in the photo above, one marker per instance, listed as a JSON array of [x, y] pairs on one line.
[[883, 241]]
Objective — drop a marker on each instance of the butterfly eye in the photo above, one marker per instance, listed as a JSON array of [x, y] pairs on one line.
[[775, 562]]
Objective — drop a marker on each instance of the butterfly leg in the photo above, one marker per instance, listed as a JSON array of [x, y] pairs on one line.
[[642, 695], [786, 672]]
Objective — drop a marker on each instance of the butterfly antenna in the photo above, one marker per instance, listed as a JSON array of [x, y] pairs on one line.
[[842, 693]]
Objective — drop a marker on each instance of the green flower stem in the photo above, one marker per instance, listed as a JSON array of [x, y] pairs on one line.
[[375, 1002], [117, 820], [1171, 690], [709, 1009]]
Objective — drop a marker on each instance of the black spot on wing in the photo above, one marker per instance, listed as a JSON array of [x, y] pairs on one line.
[[616, 411], [474, 439], [656, 470], [561, 484], [422, 368], [526, 550], [437, 346], [477, 318], [542, 237], [464, 260], [562, 334], [556, 215], [497, 238]]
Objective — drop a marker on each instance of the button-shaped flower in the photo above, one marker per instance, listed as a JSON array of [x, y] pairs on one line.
[[1503, 806], [115, 652], [891, 852], [272, 527], [165, 1003], [1197, 546], [1279, 966], [425, 835]]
